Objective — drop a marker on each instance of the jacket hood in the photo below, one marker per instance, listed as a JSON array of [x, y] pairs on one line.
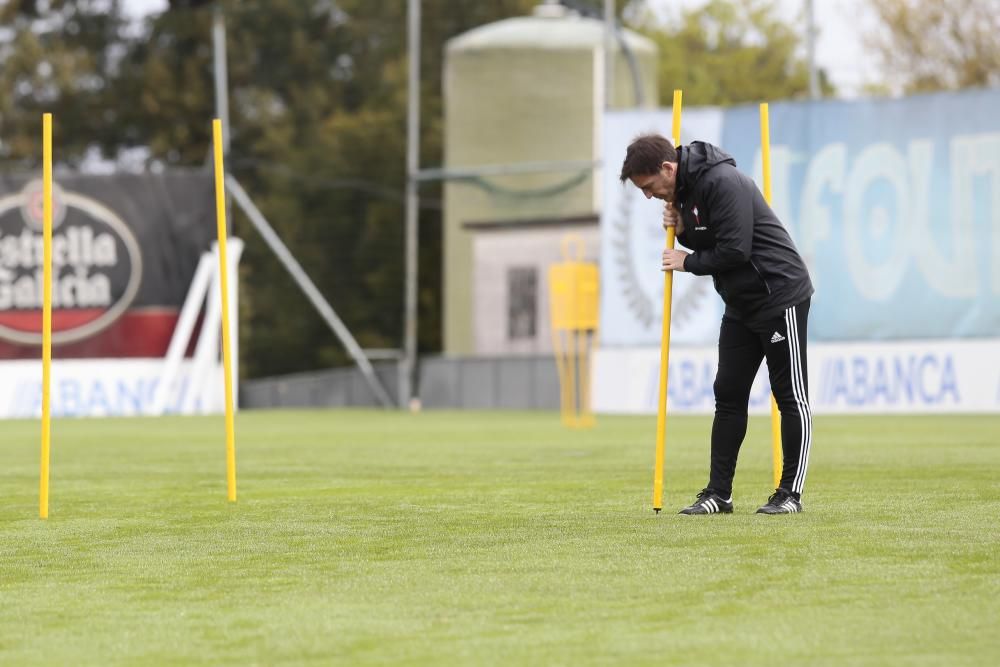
[[696, 159]]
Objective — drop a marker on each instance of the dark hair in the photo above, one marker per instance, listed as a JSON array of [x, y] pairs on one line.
[[646, 154]]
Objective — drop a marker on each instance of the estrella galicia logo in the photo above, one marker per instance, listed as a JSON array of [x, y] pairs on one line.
[[96, 266]]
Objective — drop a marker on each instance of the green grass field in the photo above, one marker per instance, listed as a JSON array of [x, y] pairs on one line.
[[494, 539]]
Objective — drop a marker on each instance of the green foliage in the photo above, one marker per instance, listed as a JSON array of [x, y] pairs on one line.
[[318, 116], [318, 104], [928, 45], [64, 58], [730, 52], [318, 111]]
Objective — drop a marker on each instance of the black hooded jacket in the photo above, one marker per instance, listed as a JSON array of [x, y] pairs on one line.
[[736, 238]]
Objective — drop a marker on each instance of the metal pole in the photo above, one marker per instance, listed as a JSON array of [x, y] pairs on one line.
[[811, 50], [407, 371], [221, 74], [609, 53]]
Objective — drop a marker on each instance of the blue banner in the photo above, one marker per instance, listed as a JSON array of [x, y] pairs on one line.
[[895, 205]]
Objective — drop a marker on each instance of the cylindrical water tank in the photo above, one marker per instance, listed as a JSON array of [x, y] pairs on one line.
[[523, 90]]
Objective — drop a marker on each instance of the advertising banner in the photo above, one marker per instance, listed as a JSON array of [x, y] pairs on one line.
[[124, 250], [894, 204], [105, 388], [878, 377]]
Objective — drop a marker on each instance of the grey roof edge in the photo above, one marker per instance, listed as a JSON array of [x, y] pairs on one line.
[[542, 33]]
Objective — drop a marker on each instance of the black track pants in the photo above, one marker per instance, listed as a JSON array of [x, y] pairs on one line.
[[741, 349]]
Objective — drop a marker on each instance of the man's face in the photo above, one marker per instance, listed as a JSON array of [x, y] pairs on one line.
[[660, 185]]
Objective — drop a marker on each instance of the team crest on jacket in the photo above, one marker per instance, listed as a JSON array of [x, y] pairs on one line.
[[698, 227], [96, 266]]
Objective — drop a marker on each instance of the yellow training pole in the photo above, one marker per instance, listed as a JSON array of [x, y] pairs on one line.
[[43, 496], [765, 152], [227, 363], [557, 350], [586, 415], [668, 286], [571, 375]]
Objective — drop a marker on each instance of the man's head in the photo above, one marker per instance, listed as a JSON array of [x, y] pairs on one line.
[[651, 165]]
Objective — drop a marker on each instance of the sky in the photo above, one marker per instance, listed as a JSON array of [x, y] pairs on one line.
[[839, 48]]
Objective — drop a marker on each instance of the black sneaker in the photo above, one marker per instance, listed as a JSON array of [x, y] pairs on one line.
[[709, 502], [781, 502]]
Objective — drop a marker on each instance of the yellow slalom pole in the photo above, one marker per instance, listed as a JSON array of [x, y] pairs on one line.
[[43, 495], [557, 349], [765, 153], [227, 363], [587, 416], [668, 286], [560, 354], [571, 368]]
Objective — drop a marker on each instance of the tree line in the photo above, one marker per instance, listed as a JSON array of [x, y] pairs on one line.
[[318, 116]]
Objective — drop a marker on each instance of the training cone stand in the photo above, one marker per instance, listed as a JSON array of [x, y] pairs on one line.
[[573, 299]]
